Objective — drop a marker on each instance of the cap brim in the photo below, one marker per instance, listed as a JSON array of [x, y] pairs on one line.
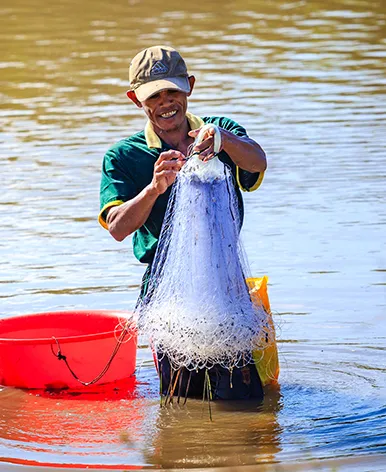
[[143, 92]]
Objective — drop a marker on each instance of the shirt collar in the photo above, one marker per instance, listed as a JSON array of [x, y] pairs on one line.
[[154, 141]]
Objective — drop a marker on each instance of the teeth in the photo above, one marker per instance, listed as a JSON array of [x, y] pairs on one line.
[[169, 114]]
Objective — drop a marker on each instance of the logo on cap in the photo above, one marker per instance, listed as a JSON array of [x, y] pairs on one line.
[[159, 68]]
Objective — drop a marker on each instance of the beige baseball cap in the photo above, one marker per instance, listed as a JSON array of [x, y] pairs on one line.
[[155, 69]]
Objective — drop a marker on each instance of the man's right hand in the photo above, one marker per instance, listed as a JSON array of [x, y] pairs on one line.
[[126, 218], [166, 169]]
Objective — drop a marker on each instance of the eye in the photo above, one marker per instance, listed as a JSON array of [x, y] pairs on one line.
[[154, 97]]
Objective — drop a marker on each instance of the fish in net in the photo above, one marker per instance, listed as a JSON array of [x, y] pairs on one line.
[[197, 310]]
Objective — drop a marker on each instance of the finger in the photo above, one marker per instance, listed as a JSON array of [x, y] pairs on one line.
[[168, 165], [168, 175], [204, 145], [209, 133], [206, 152], [169, 155], [209, 157], [194, 132]]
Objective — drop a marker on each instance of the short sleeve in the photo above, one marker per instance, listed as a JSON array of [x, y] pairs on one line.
[[232, 126], [248, 181], [117, 185]]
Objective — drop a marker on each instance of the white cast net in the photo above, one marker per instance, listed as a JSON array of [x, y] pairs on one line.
[[198, 311]]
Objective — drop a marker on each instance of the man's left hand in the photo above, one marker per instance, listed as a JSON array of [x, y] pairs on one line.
[[206, 147]]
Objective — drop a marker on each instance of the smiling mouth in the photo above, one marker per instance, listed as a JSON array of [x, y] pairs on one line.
[[168, 114]]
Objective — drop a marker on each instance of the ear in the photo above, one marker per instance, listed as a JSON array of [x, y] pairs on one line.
[[192, 81], [131, 95]]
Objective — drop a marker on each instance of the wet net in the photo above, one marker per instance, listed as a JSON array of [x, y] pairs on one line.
[[197, 310]]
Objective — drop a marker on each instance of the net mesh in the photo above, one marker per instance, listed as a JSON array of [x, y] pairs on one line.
[[197, 310]]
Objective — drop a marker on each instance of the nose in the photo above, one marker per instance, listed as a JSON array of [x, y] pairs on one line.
[[165, 96]]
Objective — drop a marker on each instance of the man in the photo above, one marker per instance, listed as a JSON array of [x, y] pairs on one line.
[[138, 172]]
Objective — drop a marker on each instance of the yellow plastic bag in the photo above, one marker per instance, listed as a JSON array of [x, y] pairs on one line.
[[266, 359]]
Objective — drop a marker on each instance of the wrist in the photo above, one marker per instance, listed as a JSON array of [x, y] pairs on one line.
[[226, 138], [153, 191]]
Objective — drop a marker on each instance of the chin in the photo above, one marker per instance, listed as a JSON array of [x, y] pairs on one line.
[[172, 124]]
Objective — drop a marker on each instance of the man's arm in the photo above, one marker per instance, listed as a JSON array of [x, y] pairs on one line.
[[244, 151], [124, 219]]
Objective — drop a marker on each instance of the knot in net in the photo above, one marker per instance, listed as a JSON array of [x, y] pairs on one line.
[[197, 310]]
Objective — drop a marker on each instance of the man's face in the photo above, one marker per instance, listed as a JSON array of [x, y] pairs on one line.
[[166, 110]]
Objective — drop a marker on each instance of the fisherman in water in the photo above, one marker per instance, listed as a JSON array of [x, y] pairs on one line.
[[138, 172]]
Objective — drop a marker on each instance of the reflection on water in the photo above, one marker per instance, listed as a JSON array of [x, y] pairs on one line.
[[307, 79], [298, 422]]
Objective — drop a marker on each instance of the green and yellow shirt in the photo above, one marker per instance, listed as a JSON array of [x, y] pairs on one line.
[[128, 168]]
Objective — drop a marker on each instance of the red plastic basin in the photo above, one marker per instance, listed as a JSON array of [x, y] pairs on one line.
[[86, 338]]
